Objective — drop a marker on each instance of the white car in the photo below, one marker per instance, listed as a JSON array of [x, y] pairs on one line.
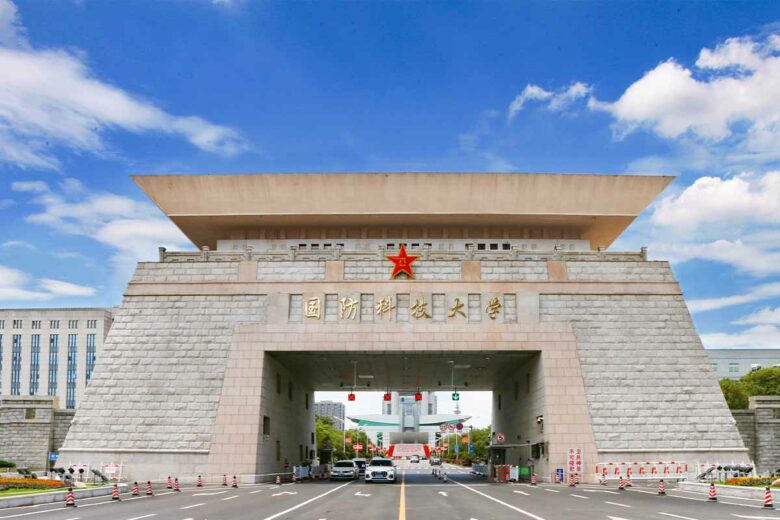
[[345, 469], [380, 469], [414, 459]]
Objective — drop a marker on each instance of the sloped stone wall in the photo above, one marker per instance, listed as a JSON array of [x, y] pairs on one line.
[[186, 272], [617, 271]]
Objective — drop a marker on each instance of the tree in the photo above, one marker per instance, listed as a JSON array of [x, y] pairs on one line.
[[735, 394], [765, 381], [329, 436]]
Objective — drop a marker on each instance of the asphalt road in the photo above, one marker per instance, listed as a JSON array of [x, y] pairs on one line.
[[418, 496]]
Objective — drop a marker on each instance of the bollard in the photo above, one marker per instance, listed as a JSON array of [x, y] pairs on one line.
[[572, 482], [278, 479], [199, 482], [176, 486], [235, 482], [713, 493], [170, 483], [533, 479], [621, 484], [603, 480], [115, 493], [70, 500], [136, 491], [768, 504], [557, 478], [149, 491], [628, 481], [444, 477], [224, 480], [661, 487]]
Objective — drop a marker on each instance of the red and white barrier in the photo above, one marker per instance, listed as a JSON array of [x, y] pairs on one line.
[[648, 470]]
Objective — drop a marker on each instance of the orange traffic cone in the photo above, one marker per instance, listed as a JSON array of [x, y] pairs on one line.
[[70, 500], [149, 491], [235, 481], [661, 487], [572, 482], [115, 493], [199, 482], [713, 493], [170, 483], [768, 499], [444, 477], [628, 481], [557, 478], [136, 491], [224, 480], [621, 484], [278, 479], [603, 480], [533, 479], [176, 486]]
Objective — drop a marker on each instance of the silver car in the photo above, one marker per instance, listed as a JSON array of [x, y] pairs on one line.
[[345, 469]]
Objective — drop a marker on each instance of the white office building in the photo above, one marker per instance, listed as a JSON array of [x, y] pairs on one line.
[[50, 352], [733, 363]]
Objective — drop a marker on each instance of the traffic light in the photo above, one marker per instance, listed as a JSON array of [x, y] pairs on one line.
[[388, 396], [351, 396], [455, 396], [418, 396]]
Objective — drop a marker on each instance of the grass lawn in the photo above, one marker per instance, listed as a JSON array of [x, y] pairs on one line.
[[32, 491]]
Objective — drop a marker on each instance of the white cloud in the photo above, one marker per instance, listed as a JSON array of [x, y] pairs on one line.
[[765, 316], [740, 199], [50, 97], [30, 186], [132, 229], [758, 293], [730, 95], [17, 244], [761, 336], [60, 288], [556, 101]]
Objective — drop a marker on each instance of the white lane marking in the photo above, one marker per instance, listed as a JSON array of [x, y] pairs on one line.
[[140, 517], [258, 491], [285, 493], [230, 498], [756, 517], [281, 513], [617, 504], [579, 496], [193, 505], [75, 518], [443, 493], [606, 491], [522, 511], [520, 492], [552, 490], [208, 494], [359, 494], [677, 516], [616, 518]]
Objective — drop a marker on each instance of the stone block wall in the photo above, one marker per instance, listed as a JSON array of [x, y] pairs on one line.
[[62, 420], [514, 270], [186, 272], [646, 374], [291, 270], [26, 427], [593, 270], [163, 365]]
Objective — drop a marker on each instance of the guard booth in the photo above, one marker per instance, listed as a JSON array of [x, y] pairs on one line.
[[514, 455]]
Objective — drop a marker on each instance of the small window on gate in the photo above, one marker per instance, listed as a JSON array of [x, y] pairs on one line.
[[266, 425], [29, 413]]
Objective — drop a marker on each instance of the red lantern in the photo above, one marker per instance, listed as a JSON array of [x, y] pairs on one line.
[[351, 397], [418, 396], [388, 397]]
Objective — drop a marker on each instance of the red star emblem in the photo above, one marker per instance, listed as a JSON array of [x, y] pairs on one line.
[[403, 263]]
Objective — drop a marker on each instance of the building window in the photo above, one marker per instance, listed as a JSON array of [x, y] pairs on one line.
[[54, 324], [91, 355], [733, 368], [714, 367], [17, 324], [73, 324], [266, 425], [29, 413], [35, 363], [91, 324], [70, 395], [2, 324], [36, 324], [54, 356], [16, 364]]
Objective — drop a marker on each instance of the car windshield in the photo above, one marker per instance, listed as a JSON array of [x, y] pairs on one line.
[[381, 463], [345, 464], [360, 463]]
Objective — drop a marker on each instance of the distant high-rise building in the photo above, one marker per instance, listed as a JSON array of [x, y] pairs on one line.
[[333, 410]]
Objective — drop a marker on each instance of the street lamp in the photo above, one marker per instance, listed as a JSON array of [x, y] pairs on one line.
[[343, 431]]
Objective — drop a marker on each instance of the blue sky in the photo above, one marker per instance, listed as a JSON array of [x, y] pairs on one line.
[[93, 92]]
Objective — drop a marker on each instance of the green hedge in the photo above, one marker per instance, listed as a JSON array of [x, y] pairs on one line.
[[7, 464]]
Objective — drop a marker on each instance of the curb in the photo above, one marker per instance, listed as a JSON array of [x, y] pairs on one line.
[[729, 491], [56, 496]]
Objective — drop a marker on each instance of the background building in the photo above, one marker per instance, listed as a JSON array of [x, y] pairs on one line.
[[333, 410], [50, 352], [735, 363]]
